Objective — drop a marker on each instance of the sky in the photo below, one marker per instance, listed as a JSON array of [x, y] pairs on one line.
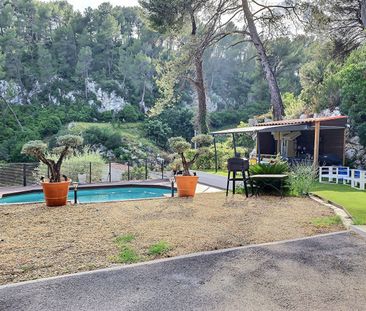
[[83, 4]]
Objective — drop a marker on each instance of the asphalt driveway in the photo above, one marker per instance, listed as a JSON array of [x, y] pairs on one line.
[[320, 273]]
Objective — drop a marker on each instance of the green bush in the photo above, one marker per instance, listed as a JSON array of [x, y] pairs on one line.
[[157, 131], [179, 120], [136, 173], [129, 113], [107, 137], [159, 248], [50, 125], [224, 152], [301, 178], [277, 168]]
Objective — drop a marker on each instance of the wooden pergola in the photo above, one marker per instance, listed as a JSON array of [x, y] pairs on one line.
[[315, 136]]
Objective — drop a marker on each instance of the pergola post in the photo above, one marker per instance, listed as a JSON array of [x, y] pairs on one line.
[[214, 141], [316, 143], [344, 148], [258, 146], [234, 143]]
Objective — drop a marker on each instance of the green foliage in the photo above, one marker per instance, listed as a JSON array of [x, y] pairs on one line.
[[136, 173], [97, 136], [157, 131], [34, 148], [327, 221], [278, 167], [179, 145], [302, 178], [352, 83], [179, 120], [77, 167], [71, 141], [127, 255], [129, 237], [159, 248], [50, 125], [66, 146], [129, 113], [294, 106], [224, 152]]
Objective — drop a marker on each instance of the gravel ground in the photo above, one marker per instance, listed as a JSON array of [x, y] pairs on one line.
[[38, 241]]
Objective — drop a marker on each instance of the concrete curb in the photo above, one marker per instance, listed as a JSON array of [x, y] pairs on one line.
[[338, 210], [157, 261], [361, 230]]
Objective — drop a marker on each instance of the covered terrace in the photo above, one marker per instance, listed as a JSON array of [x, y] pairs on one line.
[[320, 140]]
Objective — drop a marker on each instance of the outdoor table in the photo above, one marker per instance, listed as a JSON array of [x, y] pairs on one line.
[[264, 177]]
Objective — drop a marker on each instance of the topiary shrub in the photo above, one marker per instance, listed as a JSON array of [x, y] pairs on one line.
[[65, 146], [79, 164], [181, 148]]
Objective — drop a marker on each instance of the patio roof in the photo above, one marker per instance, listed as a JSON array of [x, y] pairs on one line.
[[284, 125]]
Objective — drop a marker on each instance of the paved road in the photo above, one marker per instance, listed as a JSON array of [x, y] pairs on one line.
[[321, 273], [213, 180]]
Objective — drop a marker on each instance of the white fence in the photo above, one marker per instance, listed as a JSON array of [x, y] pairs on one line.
[[342, 174]]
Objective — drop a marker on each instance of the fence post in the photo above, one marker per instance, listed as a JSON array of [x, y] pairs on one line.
[[145, 168], [128, 170], [24, 174], [90, 172], [162, 169], [110, 172]]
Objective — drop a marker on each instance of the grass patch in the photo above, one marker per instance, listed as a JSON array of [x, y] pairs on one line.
[[327, 221], [128, 255], [159, 248], [127, 238], [353, 200]]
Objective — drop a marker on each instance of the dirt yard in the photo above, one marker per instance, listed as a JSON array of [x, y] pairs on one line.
[[36, 241]]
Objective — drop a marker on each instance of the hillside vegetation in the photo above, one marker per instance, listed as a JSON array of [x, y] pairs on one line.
[[116, 65]]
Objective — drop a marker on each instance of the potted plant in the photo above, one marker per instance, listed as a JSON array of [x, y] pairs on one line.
[[55, 189], [186, 183]]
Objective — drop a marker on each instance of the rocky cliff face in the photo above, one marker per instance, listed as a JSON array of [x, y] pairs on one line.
[[106, 101], [355, 152]]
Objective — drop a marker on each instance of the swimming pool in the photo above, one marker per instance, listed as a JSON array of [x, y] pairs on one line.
[[93, 195]]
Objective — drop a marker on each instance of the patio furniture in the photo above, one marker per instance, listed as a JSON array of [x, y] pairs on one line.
[[236, 165], [267, 180]]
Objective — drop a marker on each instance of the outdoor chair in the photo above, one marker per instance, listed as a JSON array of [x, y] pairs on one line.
[[235, 166]]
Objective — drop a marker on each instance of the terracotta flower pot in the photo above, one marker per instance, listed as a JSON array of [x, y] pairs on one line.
[[56, 193], [186, 185]]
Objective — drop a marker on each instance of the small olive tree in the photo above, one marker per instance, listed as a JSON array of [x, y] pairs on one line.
[[38, 149], [180, 146]]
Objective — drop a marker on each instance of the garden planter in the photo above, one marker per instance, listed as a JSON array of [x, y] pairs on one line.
[[56, 193], [186, 185]]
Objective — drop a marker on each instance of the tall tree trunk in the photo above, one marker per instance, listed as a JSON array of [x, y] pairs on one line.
[[13, 112], [199, 83], [276, 100], [201, 94]]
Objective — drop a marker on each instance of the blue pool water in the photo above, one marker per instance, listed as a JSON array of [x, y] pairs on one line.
[[94, 195]]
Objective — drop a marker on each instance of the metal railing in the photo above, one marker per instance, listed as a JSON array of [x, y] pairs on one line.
[[28, 174]]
